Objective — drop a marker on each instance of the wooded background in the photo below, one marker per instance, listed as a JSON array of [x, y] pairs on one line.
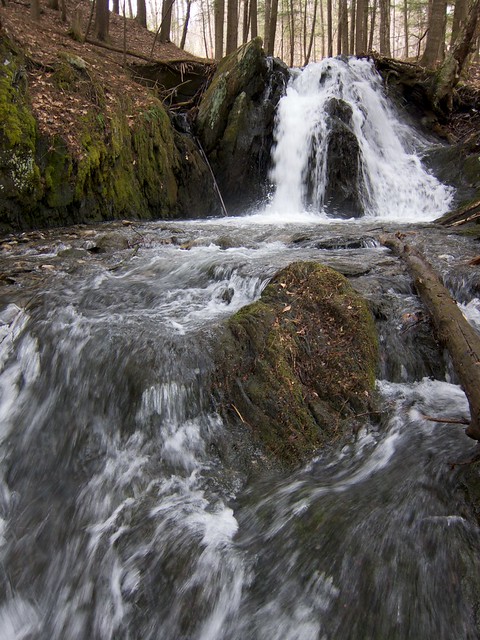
[[298, 31]]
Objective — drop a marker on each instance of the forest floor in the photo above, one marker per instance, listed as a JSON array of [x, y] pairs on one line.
[[43, 42], [57, 110]]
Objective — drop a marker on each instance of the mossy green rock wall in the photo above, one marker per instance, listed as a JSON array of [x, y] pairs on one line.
[[235, 122], [125, 163], [297, 368]]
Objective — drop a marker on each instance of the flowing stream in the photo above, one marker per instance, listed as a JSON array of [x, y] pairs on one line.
[[120, 518]]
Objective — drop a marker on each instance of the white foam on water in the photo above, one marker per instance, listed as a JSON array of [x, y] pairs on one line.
[[393, 184]]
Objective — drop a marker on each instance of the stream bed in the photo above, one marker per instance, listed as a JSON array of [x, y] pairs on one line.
[[119, 519]]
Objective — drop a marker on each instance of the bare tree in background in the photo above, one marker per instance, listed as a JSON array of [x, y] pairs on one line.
[[435, 45], [141, 16], [232, 26], [166, 24], [102, 19], [219, 18]]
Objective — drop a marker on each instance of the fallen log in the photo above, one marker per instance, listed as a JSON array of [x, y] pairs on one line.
[[452, 329], [467, 213]]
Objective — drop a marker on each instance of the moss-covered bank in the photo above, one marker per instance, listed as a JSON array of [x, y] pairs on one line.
[[299, 365], [121, 162]]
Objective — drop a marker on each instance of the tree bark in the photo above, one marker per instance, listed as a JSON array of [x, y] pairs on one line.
[[361, 27], [272, 28], [312, 33], [353, 20], [291, 21], [166, 25], [185, 25], [102, 15], [460, 15], [372, 25], [435, 44], [449, 73], [141, 16], [253, 19], [232, 26], [219, 16], [246, 21], [35, 10], [342, 46], [385, 28], [266, 27], [451, 327], [329, 29]]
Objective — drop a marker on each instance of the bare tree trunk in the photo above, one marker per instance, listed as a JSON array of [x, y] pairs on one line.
[[449, 73], [312, 32], [292, 33], [210, 33], [436, 33], [266, 29], [102, 16], [166, 25], [204, 32], [272, 31], [116, 7], [232, 26], [372, 25], [35, 10], [329, 29], [460, 16], [141, 17], [219, 15], [185, 25], [124, 34], [353, 20], [405, 28], [246, 21], [385, 28], [322, 29], [253, 19], [361, 27], [342, 42]]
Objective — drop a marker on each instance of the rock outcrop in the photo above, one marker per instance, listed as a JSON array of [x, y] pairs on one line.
[[235, 122], [298, 366]]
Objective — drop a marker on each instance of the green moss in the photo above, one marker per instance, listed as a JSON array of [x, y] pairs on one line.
[[300, 361], [119, 163]]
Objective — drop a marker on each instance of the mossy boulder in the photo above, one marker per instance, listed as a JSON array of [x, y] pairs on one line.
[[297, 367], [121, 161], [235, 122]]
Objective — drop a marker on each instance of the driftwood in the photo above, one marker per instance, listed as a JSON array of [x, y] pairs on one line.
[[467, 213], [452, 329]]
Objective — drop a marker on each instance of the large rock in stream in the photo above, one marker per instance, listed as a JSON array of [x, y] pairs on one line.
[[297, 368], [236, 119]]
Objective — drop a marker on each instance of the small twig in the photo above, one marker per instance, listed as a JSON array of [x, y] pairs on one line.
[[239, 414]]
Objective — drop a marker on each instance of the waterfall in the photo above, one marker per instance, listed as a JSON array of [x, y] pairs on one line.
[[341, 149]]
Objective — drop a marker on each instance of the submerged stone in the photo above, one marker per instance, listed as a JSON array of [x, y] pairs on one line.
[[297, 367]]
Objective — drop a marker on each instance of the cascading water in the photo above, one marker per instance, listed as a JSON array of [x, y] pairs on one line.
[[122, 518], [340, 149]]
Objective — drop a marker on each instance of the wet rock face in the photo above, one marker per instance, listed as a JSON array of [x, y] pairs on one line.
[[236, 119], [297, 366], [343, 179]]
